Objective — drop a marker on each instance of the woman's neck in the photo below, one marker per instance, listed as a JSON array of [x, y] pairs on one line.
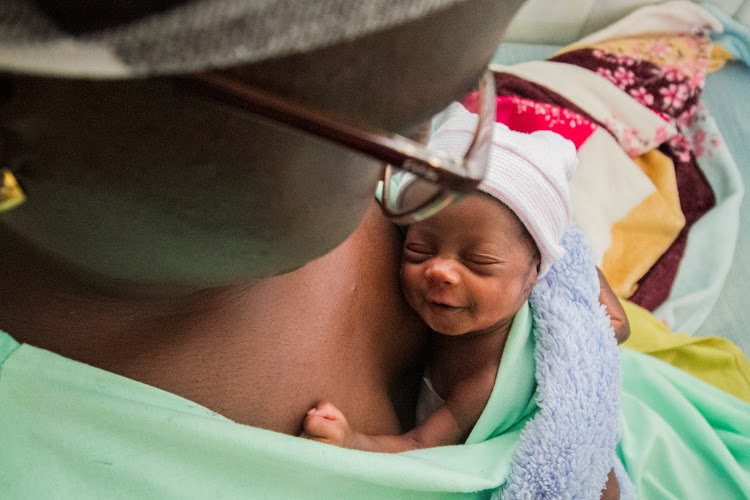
[[44, 304], [261, 353]]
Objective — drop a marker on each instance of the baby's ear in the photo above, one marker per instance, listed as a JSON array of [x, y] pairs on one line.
[[537, 267], [533, 277]]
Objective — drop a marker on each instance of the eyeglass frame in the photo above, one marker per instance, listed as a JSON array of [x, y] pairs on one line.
[[453, 174]]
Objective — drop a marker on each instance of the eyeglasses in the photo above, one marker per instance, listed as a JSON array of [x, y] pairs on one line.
[[432, 180]]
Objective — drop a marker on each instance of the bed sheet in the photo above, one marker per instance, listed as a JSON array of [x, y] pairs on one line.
[[726, 97]]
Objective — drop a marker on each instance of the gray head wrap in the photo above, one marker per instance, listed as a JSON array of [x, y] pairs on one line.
[[194, 35]]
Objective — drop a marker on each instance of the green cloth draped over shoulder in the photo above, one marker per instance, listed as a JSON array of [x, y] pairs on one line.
[[69, 430]]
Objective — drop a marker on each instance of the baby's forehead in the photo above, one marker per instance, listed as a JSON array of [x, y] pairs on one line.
[[473, 218]]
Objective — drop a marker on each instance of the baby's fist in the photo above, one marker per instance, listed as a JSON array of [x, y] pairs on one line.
[[326, 423]]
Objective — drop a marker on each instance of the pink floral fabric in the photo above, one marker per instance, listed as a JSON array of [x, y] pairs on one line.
[[665, 74], [665, 90], [525, 115]]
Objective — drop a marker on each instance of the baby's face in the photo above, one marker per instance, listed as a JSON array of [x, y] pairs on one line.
[[469, 268]]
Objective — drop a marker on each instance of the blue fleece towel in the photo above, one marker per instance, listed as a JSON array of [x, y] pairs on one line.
[[568, 448]]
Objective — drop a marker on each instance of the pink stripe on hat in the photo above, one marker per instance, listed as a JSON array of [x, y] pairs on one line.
[[527, 172]]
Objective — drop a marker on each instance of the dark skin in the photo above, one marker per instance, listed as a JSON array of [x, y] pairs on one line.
[[155, 245], [466, 271], [276, 335], [158, 248], [617, 316]]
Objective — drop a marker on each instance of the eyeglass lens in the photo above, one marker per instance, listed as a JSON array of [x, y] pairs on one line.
[[406, 194]]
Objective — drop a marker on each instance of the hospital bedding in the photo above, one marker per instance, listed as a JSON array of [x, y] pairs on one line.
[[667, 244]]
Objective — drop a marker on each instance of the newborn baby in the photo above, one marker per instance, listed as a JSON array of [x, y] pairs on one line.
[[468, 272]]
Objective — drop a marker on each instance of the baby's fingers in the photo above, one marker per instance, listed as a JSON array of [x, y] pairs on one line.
[[327, 410], [325, 430]]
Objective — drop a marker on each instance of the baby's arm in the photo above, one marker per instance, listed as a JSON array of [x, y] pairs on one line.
[[616, 313], [611, 490], [326, 423], [621, 325], [450, 424]]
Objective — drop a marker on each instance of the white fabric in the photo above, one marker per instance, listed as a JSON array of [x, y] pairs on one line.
[[743, 14], [677, 16], [604, 189], [562, 22], [429, 401], [552, 21]]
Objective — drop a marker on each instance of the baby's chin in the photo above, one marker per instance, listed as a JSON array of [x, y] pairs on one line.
[[447, 330], [439, 321], [458, 329]]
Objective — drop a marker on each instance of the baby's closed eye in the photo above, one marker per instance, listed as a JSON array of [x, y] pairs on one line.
[[482, 259], [417, 252], [481, 263]]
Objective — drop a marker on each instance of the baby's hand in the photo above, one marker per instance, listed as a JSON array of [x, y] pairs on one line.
[[617, 316], [325, 423]]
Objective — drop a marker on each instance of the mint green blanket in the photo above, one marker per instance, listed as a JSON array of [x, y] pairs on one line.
[[681, 439], [68, 430]]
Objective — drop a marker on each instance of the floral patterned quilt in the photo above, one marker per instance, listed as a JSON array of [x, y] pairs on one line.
[[629, 97]]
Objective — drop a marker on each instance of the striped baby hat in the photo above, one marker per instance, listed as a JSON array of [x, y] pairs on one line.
[[527, 172]]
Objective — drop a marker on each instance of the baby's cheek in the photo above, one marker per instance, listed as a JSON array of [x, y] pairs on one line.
[[408, 275], [504, 298], [410, 281]]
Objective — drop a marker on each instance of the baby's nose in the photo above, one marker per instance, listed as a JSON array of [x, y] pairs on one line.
[[442, 271]]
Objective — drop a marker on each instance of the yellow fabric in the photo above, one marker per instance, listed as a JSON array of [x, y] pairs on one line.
[[719, 57], [645, 233], [715, 360]]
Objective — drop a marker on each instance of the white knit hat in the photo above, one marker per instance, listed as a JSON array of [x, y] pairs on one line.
[[527, 172]]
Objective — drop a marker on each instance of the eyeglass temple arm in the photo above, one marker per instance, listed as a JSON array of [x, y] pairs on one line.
[[395, 150]]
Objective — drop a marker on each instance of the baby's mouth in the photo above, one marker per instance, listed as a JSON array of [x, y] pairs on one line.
[[441, 306], [440, 301]]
